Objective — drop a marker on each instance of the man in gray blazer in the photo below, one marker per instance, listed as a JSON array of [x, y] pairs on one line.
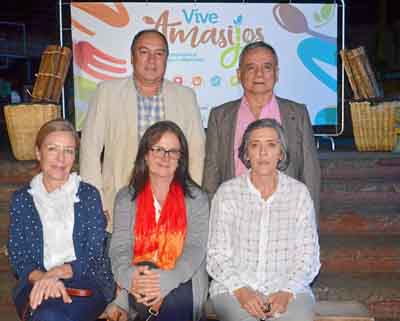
[[258, 74]]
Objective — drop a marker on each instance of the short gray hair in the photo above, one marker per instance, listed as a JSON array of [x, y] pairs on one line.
[[255, 45], [265, 123]]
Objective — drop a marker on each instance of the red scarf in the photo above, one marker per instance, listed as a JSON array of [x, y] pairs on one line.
[[160, 242]]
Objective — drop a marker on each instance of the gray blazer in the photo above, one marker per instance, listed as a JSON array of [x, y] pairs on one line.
[[190, 266], [219, 163]]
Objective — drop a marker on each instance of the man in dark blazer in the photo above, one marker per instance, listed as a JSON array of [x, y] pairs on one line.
[[258, 74]]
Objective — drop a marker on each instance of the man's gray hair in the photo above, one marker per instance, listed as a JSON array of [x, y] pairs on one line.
[[265, 123], [255, 45]]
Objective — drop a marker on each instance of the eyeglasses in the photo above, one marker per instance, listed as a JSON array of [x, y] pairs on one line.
[[161, 152], [53, 149]]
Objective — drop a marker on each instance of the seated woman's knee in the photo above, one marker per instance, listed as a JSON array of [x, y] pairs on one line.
[[49, 313]]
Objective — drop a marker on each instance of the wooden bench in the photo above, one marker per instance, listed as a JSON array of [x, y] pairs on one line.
[[324, 311]]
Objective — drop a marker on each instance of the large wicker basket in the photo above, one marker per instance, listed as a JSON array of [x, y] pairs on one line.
[[23, 123], [374, 124]]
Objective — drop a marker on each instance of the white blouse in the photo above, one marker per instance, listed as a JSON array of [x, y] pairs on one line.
[[56, 211]]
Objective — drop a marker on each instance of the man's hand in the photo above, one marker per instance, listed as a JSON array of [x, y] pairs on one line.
[[279, 302], [250, 301]]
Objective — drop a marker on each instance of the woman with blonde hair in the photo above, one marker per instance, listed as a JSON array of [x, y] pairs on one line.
[[56, 237]]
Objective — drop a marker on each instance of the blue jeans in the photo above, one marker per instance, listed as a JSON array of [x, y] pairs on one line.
[[54, 309]]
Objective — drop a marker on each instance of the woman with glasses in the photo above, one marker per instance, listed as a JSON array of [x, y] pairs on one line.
[[159, 239], [56, 237]]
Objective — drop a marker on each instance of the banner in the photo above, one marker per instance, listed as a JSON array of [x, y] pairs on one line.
[[205, 41]]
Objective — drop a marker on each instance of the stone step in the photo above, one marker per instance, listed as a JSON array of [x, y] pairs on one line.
[[358, 159], [361, 197], [4, 219], [4, 263], [382, 185], [357, 168], [6, 191], [336, 201], [387, 310], [7, 283], [379, 291], [360, 173], [361, 253], [8, 313], [20, 172], [17, 172], [357, 173], [352, 222]]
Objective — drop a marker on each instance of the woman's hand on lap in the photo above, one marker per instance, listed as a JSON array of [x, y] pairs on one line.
[[279, 302], [48, 287], [146, 285], [250, 301]]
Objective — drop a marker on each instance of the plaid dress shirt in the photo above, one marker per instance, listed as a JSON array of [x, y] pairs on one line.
[[150, 110], [267, 245]]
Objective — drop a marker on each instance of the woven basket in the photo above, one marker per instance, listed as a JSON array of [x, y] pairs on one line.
[[23, 123], [374, 125]]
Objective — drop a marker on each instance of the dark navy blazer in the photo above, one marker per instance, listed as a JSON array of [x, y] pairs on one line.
[[25, 244]]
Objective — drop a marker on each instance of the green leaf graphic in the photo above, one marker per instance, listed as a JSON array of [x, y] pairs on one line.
[[317, 17], [326, 11], [324, 15]]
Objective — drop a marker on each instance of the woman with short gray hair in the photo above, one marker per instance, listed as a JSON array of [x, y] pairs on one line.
[[263, 249], [265, 123]]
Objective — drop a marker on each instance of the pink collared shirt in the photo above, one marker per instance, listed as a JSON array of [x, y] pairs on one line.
[[244, 118]]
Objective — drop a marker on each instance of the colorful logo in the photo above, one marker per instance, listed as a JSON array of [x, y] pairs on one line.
[[197, 81], [215, 81], [234, 81], [178, 80]]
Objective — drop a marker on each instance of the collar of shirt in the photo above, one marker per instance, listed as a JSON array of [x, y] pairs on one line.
[[139, 93], [269, 110], [253, 190], [157, 207]]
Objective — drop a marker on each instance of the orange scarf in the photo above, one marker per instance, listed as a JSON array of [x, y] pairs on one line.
[[160, 242]]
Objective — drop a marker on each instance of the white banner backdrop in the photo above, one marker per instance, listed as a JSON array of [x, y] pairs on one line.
[[205, 41]]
